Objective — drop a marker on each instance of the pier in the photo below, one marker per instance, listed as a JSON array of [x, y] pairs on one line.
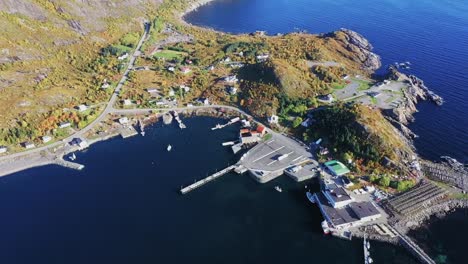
[[202, 182], [177, 118], [232, 121], [414, 249], [69, 164]]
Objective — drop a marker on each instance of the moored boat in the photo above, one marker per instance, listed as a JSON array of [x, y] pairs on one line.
[[169, 147], [325, 227]]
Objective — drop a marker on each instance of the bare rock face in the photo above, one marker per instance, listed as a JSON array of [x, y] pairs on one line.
[[363, 49]]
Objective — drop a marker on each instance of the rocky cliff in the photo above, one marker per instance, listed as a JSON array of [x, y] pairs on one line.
[[360, 46]]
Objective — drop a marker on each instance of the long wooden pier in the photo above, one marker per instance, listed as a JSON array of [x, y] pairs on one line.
[[413, 248], [202, 182]]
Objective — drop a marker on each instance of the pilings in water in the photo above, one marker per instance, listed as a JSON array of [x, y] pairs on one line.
[[200, 183]]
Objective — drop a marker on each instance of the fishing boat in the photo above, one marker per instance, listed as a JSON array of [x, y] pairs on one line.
[[310, 196], [169, 147], [277, 188]]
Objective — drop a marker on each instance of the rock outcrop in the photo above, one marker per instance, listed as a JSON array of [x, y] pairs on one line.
[[363, 50]]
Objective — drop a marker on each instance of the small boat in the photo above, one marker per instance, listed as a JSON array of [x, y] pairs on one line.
[[218, 126], [370, 260], [73, 157], [169, 147], [325, 227], [277, 188], [310, 196]]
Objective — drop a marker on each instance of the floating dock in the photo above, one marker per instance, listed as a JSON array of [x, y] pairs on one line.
[[202, 182]]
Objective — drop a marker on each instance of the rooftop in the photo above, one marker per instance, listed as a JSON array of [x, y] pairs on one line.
[[337, 167], [338, 216], [338, 194], [364, 209]]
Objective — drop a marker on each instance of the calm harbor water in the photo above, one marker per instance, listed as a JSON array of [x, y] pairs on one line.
[[124, 207], [431, 34]]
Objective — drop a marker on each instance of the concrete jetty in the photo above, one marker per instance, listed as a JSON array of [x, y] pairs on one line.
[[199, 183], [69, 164]]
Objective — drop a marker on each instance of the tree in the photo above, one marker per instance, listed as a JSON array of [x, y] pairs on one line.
[[297, 122], [384, 181]]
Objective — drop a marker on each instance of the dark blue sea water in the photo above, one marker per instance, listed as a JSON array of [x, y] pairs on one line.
[[432, 34], [124, 207]]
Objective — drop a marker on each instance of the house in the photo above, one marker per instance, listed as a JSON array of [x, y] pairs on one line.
[[82, 108], [261, 130], [326, 98], [3, 149], [262, 57], [171, 69], [210, 68], [336, 168], [204, 101], [123, 120], [127, 102], [345, 77], [171, 93], [232, 90], [246, 123], [123, 57], [80, 143], [152, 90], [273, 119], [386, 82], [247, 136], [64, 124], [28, 145], [185, 70], [227, 59], [189, 105], [46, 139], [105, 85], [231, 79]]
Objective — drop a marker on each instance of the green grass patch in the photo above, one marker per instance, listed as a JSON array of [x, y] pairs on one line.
[[170, 54], [338, 86], [363, 85], [373, 100]]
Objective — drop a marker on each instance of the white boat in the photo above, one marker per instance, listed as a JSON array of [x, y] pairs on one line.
[[278, 188], [310, 196], [73, 157], [169, 147], [218, 126], [325, 227]]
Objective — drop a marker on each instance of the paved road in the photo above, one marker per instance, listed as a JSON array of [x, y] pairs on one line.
[[109, 107]]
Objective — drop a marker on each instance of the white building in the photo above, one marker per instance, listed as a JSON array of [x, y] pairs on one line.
[[46, 139], [29, 145], [204, 101], [64, 124], [263, 57], [127, 102], [273, 119], [3, 149], [231, 79], [123, 57], [82, 108], [123, 120], [152, 90], [171, 93], [338, 197], [81, 143], [171, 69]]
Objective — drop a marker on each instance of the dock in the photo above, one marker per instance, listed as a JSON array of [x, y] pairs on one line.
[[202, 182], [414, 249], [177, 118], [232, 121]]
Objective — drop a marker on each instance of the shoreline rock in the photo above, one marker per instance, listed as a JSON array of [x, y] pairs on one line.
[[358, 44]]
